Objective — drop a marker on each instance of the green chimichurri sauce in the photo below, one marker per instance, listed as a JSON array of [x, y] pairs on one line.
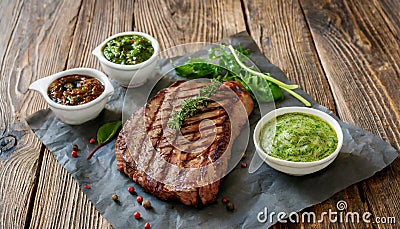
[[128, 50], [299, 137]]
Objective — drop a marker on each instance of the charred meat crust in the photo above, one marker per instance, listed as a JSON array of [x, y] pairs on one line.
[[146, 132]]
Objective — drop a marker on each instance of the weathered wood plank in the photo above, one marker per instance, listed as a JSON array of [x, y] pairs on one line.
[[96, 21], [280, 29], [281, 32], [389, 11], [360, 55], [26, 25], [177, 22], [178, 25], [10, 11], [359, 49], [59, 203]]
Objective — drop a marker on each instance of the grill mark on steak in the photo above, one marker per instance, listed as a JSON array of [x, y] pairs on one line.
[[205, 132], [151, 112], [207, 114], [195, 126], [209, 132], [131, 145], [189, 87], [131, 130], [189, 94], [158, 130], [209, 193]]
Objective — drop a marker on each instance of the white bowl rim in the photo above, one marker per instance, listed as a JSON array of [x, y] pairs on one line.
[[108, 88], [284, 110], [99, 54]]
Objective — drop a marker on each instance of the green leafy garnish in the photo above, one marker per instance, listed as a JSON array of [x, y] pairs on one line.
[[105, 133], [227, 69], [191, 106], [231, 67], [286, 87], [198, 68]]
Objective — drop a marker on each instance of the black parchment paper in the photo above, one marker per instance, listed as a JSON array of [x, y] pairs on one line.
[[362, 155]]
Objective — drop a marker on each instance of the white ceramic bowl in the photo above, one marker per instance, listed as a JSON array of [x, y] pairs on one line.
[[128, 75], [297, 168], [78, 114]]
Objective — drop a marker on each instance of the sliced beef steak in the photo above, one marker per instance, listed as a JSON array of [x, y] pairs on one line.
[[184, 165]]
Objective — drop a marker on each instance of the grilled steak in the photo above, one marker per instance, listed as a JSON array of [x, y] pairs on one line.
[[183, 165]]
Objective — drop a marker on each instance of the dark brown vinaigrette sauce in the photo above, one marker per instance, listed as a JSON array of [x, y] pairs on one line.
[[75, 90]]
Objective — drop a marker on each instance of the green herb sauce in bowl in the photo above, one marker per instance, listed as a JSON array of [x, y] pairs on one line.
[[299, 137], [130, 58], [128, 50], [298, 140]]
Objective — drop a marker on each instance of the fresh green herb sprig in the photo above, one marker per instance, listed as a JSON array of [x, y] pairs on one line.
[[191, 106], [288, 88], [198, 68], [231, 67], [227, 69]]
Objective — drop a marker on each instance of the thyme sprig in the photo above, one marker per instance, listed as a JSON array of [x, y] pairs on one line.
[[191, 106]]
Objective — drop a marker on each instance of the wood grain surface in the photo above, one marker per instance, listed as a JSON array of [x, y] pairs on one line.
[[290, 46], [344, 53], [180, 22], [95, 21], [26, 59], [359, 52]]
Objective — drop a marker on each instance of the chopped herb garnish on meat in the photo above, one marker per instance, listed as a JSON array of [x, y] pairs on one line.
[[191, 106]]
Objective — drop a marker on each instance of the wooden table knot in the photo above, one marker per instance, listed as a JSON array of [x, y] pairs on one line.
[[7, 143]]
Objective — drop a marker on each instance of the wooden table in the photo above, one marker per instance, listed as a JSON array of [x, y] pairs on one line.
[[345, 53]]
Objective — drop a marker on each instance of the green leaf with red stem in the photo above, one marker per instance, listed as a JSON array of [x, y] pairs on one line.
[[105, 133]]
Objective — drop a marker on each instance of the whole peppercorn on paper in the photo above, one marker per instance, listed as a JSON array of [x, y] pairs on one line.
[[362, 155]]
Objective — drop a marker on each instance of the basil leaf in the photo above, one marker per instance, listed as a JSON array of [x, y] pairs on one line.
[[107, 131]]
